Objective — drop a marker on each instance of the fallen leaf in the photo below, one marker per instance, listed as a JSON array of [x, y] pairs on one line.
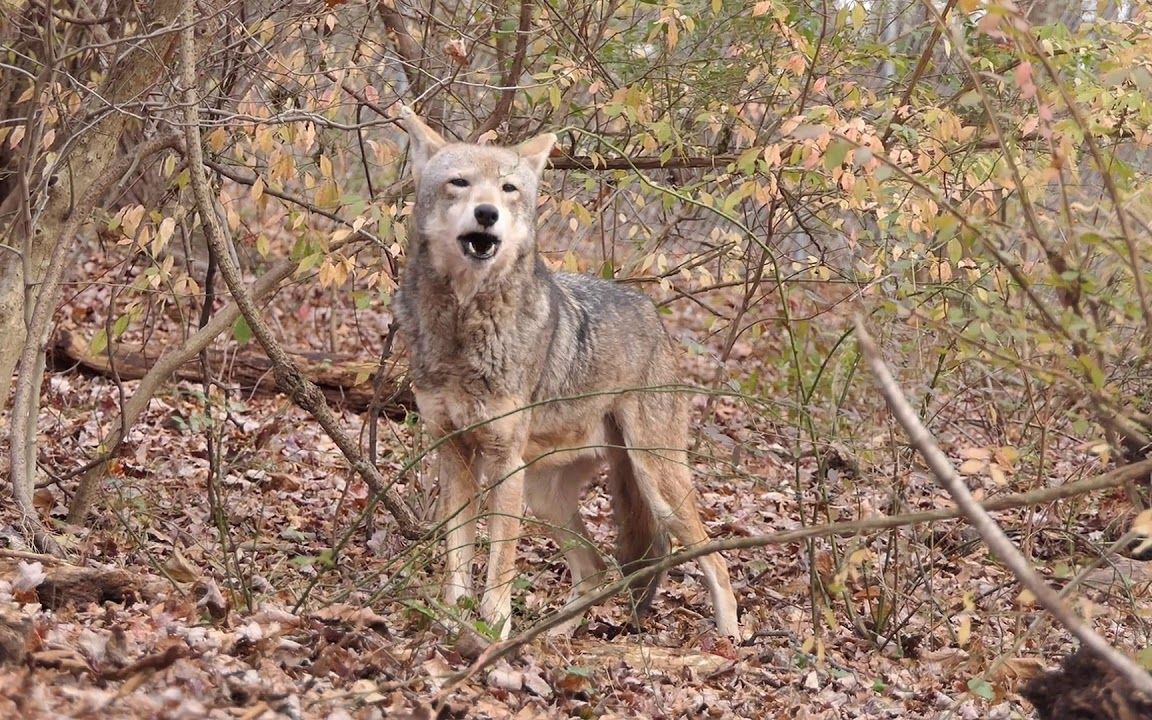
[[29, 576]]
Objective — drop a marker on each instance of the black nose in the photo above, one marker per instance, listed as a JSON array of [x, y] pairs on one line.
[[486, 215]]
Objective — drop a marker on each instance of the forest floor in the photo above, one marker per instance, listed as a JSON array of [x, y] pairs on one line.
[[269, 596]]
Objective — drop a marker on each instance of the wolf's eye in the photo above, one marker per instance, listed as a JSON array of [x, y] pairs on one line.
[[459, 182], [509, 187]]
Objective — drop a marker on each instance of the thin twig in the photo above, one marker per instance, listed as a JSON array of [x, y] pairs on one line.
[[918, 72]]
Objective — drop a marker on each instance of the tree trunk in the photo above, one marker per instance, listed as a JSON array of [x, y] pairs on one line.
[[25, 251]]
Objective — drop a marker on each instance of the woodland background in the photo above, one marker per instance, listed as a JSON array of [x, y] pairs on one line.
[[187, 189]]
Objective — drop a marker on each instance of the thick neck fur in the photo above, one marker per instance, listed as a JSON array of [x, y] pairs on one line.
[[484, 341]]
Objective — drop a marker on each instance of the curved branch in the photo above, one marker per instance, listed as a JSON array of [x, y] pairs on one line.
[[22, 434], [164, 367]]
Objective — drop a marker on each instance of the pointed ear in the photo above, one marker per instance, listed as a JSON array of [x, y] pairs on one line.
[[423, 141], [535, 151]]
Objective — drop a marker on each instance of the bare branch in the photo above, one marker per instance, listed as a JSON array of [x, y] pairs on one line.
[[22, 433], [512, 76]]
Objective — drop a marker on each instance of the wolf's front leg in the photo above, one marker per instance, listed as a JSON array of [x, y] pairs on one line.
[[457, 515], [506, 500]]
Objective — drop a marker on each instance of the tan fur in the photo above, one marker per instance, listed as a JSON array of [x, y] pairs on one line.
[[495, 339]]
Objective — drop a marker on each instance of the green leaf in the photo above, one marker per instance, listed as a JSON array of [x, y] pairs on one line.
[[580, 671], [981, 688], [121, 325], [835, 154], [746, 163], [99, 342], [1144, 657], [488, 630], [240, 330]]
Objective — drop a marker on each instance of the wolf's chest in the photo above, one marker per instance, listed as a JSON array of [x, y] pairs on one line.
[[541, 434]]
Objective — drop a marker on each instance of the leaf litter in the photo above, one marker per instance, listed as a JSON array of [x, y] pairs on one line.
[[273, 600]]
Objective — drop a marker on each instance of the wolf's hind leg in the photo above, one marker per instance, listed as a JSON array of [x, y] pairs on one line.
[[641, 539], [657, 449], [553, 495]]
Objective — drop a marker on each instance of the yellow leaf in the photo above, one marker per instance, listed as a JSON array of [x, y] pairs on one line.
[[974, 453], [1007, 455], [972, 467], [997, 475], [257, 190], [808, 644], [328, 196], [132, 218], [217, 138], [1142, 527], [167, 227]]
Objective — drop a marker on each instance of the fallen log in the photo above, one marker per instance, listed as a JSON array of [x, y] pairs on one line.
[[346, 381]]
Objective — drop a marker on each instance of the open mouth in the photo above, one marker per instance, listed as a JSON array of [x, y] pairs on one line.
[[479, 245]]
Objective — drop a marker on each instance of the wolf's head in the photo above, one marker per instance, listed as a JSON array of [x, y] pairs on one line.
[[475, 204]]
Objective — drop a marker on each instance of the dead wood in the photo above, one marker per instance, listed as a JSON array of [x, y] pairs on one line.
[[148, 663], [16, 638], [344, 380], [1086, 687], [78, 586]]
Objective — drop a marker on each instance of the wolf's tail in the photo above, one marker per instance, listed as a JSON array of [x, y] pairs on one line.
[[641, 538]]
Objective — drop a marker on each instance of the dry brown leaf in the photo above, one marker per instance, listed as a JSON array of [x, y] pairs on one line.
[[179, 568]]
